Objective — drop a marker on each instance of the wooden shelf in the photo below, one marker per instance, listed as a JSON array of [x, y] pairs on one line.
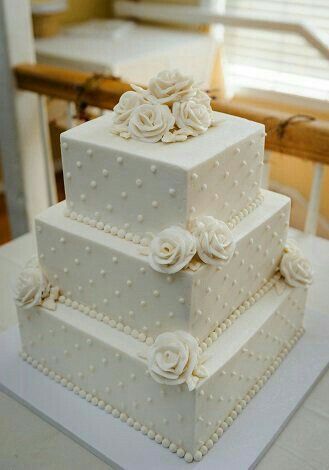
[[297, 136]]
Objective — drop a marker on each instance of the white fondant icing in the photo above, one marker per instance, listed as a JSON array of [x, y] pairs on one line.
[[200, 314], [131, 339], [193, 420], [165, 171]]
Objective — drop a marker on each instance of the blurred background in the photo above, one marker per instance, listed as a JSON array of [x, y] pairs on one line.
[[266, 58]]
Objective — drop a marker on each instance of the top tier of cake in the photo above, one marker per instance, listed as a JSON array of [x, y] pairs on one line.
[[131, 188]]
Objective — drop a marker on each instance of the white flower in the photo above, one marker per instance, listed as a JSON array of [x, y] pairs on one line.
[[202, 98], [149, 123], [174, 359], [191, 118], [170, 86], [122, 111], [215, 244], [296, 269], [32, 285], [171, 250]]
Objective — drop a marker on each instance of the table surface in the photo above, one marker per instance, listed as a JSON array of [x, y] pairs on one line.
[[27, 442], [129, 50]]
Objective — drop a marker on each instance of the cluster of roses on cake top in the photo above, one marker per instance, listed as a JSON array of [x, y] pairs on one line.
[[171, 109]]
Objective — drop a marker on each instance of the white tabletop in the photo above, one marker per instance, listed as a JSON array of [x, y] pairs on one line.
[[128, 50], [27, 442]]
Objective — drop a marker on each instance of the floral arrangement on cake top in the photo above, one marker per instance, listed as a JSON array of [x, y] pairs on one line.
[[171, 109]]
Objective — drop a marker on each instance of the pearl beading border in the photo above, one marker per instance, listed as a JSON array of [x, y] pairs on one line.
[[165, 442], [149, 340], [99, 316], [220, 328], [236, 219], [144, 241]]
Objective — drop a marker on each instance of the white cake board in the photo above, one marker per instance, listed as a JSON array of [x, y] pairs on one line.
[[240, 448]]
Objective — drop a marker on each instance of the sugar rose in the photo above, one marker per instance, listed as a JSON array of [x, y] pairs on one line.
[[32, 285], [191, 118], [296, 269], [174, 359], [171, 250], [122, 111], [170, 86], [149, 123], [215, 243]]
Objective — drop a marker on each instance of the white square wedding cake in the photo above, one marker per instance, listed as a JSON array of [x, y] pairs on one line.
[[165, 291]]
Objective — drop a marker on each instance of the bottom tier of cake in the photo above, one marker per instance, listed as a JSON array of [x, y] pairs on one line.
[[108, 369]]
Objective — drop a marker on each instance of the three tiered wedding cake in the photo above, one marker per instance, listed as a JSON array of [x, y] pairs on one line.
[[164, 291]]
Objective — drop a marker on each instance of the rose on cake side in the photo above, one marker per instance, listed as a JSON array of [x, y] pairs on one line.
[[33, 288], [174, 359], [32, 285], [296, 270], [215, 243], [149, 123], [171, 250]]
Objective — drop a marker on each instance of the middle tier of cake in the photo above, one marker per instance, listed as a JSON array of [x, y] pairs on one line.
[[111, 281]]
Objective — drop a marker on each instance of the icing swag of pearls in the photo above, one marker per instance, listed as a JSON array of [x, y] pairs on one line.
[[171, 109], [174, 247]]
